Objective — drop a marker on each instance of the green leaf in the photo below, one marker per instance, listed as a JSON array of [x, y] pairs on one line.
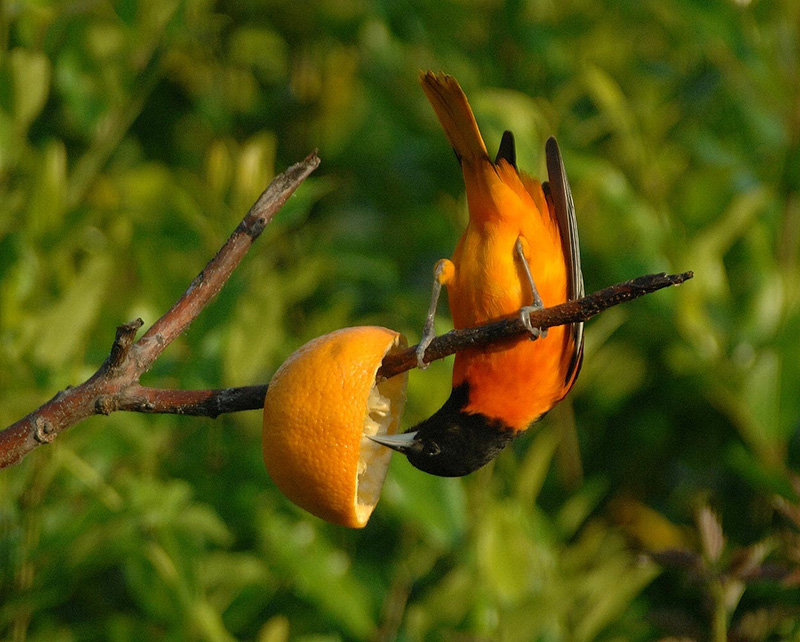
[[77, 310], [30, 77]]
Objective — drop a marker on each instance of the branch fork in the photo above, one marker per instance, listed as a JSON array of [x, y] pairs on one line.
[[115, 385]]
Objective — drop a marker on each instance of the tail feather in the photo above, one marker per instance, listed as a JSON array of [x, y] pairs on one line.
[[455, 115]]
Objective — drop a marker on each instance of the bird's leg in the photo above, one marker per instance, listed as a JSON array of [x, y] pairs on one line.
[[442, 275], [525, 311]]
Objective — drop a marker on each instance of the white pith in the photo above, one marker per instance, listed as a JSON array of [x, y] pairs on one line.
[[384, 409]]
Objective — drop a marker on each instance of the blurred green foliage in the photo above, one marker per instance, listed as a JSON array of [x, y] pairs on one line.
[[134, 134]]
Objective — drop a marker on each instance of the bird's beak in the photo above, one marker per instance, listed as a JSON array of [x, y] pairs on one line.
[[401, 443]]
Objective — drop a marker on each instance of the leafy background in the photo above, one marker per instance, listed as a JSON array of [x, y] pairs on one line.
[[659, 500]]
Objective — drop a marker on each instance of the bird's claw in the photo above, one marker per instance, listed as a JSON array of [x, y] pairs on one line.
[[420, 353], [428, 334], [525, 317]]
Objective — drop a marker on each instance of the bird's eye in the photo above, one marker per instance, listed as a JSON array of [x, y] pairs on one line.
[[431, 449]]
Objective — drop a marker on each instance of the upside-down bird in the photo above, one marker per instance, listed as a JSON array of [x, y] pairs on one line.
[[518, 253]]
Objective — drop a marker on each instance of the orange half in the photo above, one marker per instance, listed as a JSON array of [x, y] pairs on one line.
[[321, 406]]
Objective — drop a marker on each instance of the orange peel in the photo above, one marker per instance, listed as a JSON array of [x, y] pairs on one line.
[[321, 407]]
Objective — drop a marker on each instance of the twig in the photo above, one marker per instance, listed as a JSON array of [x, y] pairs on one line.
[[115, 385], [200, 403], [578, 310], [208, 283]]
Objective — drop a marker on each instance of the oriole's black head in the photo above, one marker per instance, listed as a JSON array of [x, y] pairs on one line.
[[451, 442]]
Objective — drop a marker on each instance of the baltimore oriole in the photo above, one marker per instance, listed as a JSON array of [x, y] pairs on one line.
[[520, 232]]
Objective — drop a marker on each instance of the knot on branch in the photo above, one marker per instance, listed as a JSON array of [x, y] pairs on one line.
[[43, 431], [123, 341], [105, 405]]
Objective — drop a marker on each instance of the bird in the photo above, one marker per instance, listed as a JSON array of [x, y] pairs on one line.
[[518, 253]]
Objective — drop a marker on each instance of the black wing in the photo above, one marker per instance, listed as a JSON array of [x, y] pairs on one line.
[[561, 195]]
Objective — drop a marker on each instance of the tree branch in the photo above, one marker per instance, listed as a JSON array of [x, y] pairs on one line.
[[512, 327], [115, 385], [212, 403], [199, 403], [208, 283]]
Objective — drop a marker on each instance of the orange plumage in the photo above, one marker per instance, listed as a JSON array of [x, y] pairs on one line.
[[519, 382], [499, 391]]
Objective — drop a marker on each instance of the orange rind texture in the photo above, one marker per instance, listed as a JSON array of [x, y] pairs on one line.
[[321, 406]]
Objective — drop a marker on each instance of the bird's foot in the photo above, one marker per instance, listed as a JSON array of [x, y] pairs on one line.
[[525, 317]]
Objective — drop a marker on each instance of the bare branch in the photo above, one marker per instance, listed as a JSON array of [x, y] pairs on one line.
[[570, 312], [201, 403], [211, 403], [115, 385], [209, 282]]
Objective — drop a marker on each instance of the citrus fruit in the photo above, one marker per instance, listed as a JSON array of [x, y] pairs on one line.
[[321, 406]]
